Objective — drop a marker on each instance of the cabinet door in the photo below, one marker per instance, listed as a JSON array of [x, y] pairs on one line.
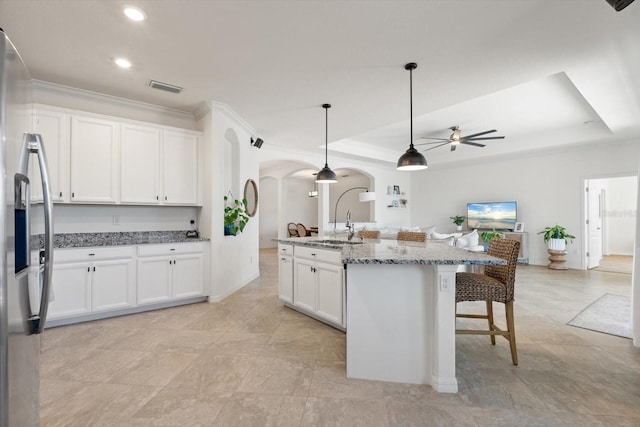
[[53, 126], [187, 276], [180, 168], [286, 278], [330, 292], [304, 294], [113, 284], [94, 149], [154, 279], [140, 165], [71, 290]]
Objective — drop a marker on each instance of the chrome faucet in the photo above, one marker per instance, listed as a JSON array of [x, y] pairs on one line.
[[350, 226]]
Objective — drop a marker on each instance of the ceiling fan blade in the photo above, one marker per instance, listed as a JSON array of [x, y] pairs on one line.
[[433, 142], [444, 143], [483, 139], [478, 134], [439, 139], [472, 143]]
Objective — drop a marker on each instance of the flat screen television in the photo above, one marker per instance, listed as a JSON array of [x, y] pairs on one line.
[[498, 215]]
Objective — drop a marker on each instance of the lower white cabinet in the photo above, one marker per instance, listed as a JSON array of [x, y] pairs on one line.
[[92, 280], [103, 279], [167, 272], [285, 269], [318, 284]]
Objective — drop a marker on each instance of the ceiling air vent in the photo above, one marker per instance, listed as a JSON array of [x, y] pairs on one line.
[[165, 86]]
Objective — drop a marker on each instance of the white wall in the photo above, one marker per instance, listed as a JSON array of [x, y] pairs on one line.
[[620, 214], [268, 205], [234, 259], [547, 186], [299, 207]]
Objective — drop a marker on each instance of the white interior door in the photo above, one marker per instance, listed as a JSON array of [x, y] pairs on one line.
[[594, 223]]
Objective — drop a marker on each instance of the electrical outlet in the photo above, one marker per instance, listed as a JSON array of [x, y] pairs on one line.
[[116, 220], [445, 284]]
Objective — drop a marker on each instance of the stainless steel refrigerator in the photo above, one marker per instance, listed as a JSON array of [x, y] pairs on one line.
[[23, 305]]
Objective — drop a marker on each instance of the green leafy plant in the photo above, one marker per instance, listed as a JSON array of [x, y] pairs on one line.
[[486, 236], [458, 219], [556, 232], [235, 215]]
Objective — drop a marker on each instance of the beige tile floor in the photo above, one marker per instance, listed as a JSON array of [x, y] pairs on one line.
[[248, 361]]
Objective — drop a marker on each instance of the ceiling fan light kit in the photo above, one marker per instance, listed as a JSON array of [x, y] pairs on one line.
[[326, 175], [411, 160]]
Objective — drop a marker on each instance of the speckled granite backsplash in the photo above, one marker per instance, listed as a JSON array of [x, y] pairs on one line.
[[79, 240]]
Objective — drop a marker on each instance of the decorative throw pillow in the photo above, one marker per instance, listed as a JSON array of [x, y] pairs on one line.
[[468, 240], [448, 241], [439, 236], [428, 231]]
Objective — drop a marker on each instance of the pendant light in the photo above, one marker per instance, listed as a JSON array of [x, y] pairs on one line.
[[411, 160], [326, 175]]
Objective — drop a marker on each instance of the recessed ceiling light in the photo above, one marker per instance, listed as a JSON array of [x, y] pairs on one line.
[[122, 63], [135, 13]]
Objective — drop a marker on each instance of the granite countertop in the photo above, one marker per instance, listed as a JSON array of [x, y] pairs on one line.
[[82, 240], [375, 251]]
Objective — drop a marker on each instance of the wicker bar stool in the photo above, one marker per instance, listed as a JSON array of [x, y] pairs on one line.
[[412, 236], [496, 284], [302, 230], [293, 230], [369, 234]]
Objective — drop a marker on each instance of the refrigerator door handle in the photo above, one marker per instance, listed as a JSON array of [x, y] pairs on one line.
[[32, 143]]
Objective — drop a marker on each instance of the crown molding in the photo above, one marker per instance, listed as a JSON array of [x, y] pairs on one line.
[[56, 88], [228, 111]]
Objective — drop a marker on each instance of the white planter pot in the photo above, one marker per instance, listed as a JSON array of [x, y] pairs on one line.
[[459, 227], [557, 244]]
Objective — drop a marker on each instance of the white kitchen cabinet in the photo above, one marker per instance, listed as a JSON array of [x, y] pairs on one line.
[[170, 272], [285, 269], [319, 284], [92, 280], [54, 127], [180, 168], [140, 164], [94, 160]]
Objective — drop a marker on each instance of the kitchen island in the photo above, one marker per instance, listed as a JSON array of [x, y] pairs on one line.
[[399, 305]]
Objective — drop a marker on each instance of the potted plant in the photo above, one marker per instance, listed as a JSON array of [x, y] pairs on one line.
[[458, 220], [556, 237], [235, 216], [486, 237]]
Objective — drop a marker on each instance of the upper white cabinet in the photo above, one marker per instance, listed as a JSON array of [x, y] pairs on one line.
[[140, 164], [94, 160], [97, 159], [180, 168], [54, 127]]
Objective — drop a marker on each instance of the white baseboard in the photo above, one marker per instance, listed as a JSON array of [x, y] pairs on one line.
[[220, 297]]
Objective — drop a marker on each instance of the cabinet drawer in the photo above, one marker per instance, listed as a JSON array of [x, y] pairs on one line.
[[322, 255], [285, 249], [93, 253], [170, 249]]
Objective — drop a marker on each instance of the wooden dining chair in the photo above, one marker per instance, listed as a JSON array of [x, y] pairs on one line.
[[293, 230], [302, 230], [496, 284], [369, 234], [412, 236]]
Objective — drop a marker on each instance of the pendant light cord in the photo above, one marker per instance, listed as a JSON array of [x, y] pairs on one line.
[[326, 136], [411, 104]]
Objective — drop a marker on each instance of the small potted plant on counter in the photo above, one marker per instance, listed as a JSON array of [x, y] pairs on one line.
[[556, 237], [235, 215], [458, 220], [486, 237]]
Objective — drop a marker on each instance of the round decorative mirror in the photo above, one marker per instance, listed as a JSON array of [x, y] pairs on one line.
[[251, 195]]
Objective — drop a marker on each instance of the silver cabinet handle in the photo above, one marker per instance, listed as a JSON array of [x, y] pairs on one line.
[[32, 143]]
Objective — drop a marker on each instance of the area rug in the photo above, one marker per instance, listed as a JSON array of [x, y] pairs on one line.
[[609, 314]]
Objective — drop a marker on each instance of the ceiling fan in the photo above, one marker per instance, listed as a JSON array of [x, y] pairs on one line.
[[455, 139]]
